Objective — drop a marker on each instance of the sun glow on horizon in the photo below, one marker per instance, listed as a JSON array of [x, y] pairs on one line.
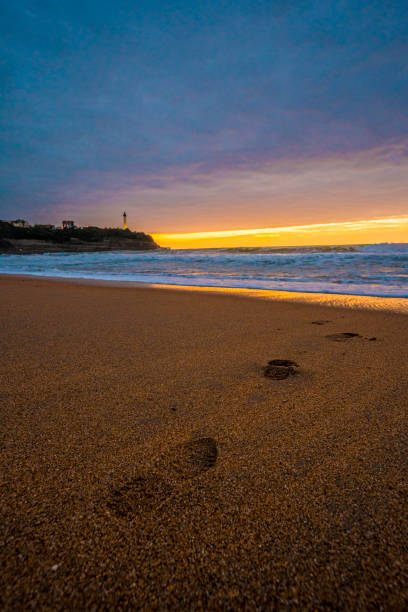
[[389, 229]]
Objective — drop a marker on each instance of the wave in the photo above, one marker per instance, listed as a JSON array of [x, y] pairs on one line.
[[378, 270]]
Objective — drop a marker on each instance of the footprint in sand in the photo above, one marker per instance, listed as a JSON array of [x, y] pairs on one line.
[[138, 496], [147, 493], [190, 458], [342, 337], [280, 369]]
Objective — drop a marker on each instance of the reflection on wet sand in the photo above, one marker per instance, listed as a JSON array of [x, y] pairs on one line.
[[364, 302]]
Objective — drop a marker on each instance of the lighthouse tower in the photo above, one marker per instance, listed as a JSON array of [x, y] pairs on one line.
[[124, 221]]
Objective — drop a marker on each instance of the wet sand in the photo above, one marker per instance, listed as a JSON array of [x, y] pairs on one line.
[[148, 463]]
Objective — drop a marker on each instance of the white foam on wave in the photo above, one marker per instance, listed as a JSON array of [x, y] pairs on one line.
[[367, 270]]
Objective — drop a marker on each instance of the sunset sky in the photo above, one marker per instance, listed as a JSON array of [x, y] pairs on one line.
[[205, 117]]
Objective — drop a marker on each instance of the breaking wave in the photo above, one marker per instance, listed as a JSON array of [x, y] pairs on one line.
[[378, 270]]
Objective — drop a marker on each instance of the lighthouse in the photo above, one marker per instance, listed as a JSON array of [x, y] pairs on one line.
[[124, 221]]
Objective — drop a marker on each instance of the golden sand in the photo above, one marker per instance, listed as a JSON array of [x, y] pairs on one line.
[[148, 463]]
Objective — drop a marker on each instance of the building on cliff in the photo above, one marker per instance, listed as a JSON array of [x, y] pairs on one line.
[[68, 224], [20, 223]]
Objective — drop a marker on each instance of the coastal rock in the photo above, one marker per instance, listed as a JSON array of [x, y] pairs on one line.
[[5, 245], [31, 247]]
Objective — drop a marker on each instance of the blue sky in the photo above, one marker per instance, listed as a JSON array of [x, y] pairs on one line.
[[163, 107]]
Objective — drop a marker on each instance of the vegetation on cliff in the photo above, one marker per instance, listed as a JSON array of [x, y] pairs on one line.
[[38, 237]]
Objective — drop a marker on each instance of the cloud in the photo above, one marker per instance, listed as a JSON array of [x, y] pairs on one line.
[[103, 98], [367, 184]]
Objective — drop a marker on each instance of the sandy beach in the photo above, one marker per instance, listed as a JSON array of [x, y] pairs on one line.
[[148, 463]]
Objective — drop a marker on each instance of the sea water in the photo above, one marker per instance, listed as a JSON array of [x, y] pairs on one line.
[[377, 270]]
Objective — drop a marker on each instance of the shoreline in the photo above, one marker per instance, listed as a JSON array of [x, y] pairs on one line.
[[336, 300]]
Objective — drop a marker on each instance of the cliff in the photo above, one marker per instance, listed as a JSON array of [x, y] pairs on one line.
[[40, 239]]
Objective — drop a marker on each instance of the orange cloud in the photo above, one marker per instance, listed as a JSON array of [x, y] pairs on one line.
[[389, 229]]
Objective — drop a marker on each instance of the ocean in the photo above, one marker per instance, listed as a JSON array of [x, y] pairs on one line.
[[376, 269]]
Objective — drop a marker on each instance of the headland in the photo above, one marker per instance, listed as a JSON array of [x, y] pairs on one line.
[[26, 240]]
